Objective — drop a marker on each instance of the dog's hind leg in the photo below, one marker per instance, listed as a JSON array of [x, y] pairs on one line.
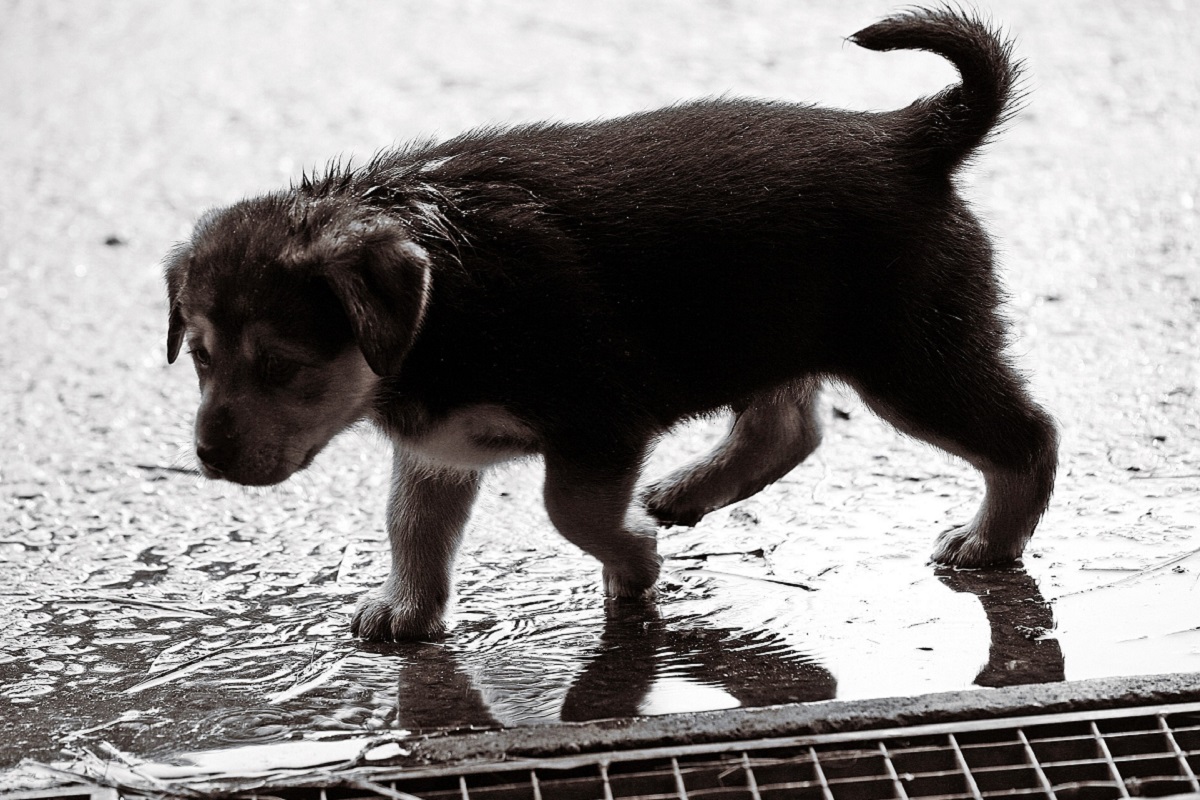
[[947, 383], [770, 435]]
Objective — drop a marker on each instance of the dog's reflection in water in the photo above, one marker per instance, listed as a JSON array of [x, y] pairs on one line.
[[750, 668], [754, 668], [638, 648], [1020, 620]]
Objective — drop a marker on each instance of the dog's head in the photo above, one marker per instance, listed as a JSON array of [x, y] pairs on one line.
[[291, 310]]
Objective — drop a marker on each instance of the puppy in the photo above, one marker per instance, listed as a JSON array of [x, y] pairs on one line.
[[574, 290]]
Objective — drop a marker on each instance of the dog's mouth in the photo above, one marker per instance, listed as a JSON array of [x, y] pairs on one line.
[[279, 474], [211, 472]]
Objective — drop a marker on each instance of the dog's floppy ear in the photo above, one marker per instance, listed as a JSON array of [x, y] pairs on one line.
[[176, 273], [383, 283]]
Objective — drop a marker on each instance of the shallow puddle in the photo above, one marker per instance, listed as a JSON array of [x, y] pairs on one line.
[[229, 650]]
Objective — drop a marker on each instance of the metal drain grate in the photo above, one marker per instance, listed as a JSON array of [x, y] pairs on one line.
[[1145, 752]]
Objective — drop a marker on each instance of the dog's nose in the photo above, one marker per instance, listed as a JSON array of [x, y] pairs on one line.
[[216, 438], [215, 458]]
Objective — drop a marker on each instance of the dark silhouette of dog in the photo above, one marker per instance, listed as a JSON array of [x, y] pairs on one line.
[[574, 290]]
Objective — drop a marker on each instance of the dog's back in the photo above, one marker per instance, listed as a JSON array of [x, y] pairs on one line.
[[682, 214]]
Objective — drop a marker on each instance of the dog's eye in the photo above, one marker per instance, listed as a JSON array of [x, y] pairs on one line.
[[200, 356], [277, 369]]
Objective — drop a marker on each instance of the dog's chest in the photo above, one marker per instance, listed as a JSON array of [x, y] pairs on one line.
[[473, 438]]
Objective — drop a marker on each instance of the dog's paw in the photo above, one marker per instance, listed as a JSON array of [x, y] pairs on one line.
[[622, 587], [633, 581], [380, 617], [670, 506], [966, 548]]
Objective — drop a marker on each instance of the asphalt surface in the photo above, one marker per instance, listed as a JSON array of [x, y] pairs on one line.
[[133, 595]]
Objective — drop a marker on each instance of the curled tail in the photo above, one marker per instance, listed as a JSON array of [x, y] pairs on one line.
[[949, 125]]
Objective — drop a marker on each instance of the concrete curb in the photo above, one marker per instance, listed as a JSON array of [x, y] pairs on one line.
[[801, 719]]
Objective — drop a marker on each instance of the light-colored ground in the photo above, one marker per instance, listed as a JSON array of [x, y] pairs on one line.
[[173, 613]]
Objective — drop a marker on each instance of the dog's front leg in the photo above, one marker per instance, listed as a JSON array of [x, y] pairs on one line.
[[426, 515], [590, 502]]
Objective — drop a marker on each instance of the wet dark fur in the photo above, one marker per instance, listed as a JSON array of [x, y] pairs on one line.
[[603, 281]]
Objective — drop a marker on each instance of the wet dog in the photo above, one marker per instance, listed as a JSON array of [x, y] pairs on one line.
[[574, 290]]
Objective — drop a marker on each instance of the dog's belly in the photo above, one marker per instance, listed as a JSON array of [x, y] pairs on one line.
[[473, 438]]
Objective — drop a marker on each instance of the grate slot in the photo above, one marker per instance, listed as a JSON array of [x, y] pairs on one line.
[[1005, 779], [1066, 751], [858, 775], [587, 783], [1112, 767], [1147, 766], [1123, 745], [509, 786], [947, 785], [961, 762], [751, 778], [441, 788], [627, 780], [607, 785], [1032, 760], [933, 759], [1180, 757], [716, 778], [901, 794], [679, 787], [781, 776], [992, 752], [1080, 772], [826, 791], [1188, 736]]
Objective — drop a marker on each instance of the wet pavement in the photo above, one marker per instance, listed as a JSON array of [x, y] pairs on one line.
[[148, 613]]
